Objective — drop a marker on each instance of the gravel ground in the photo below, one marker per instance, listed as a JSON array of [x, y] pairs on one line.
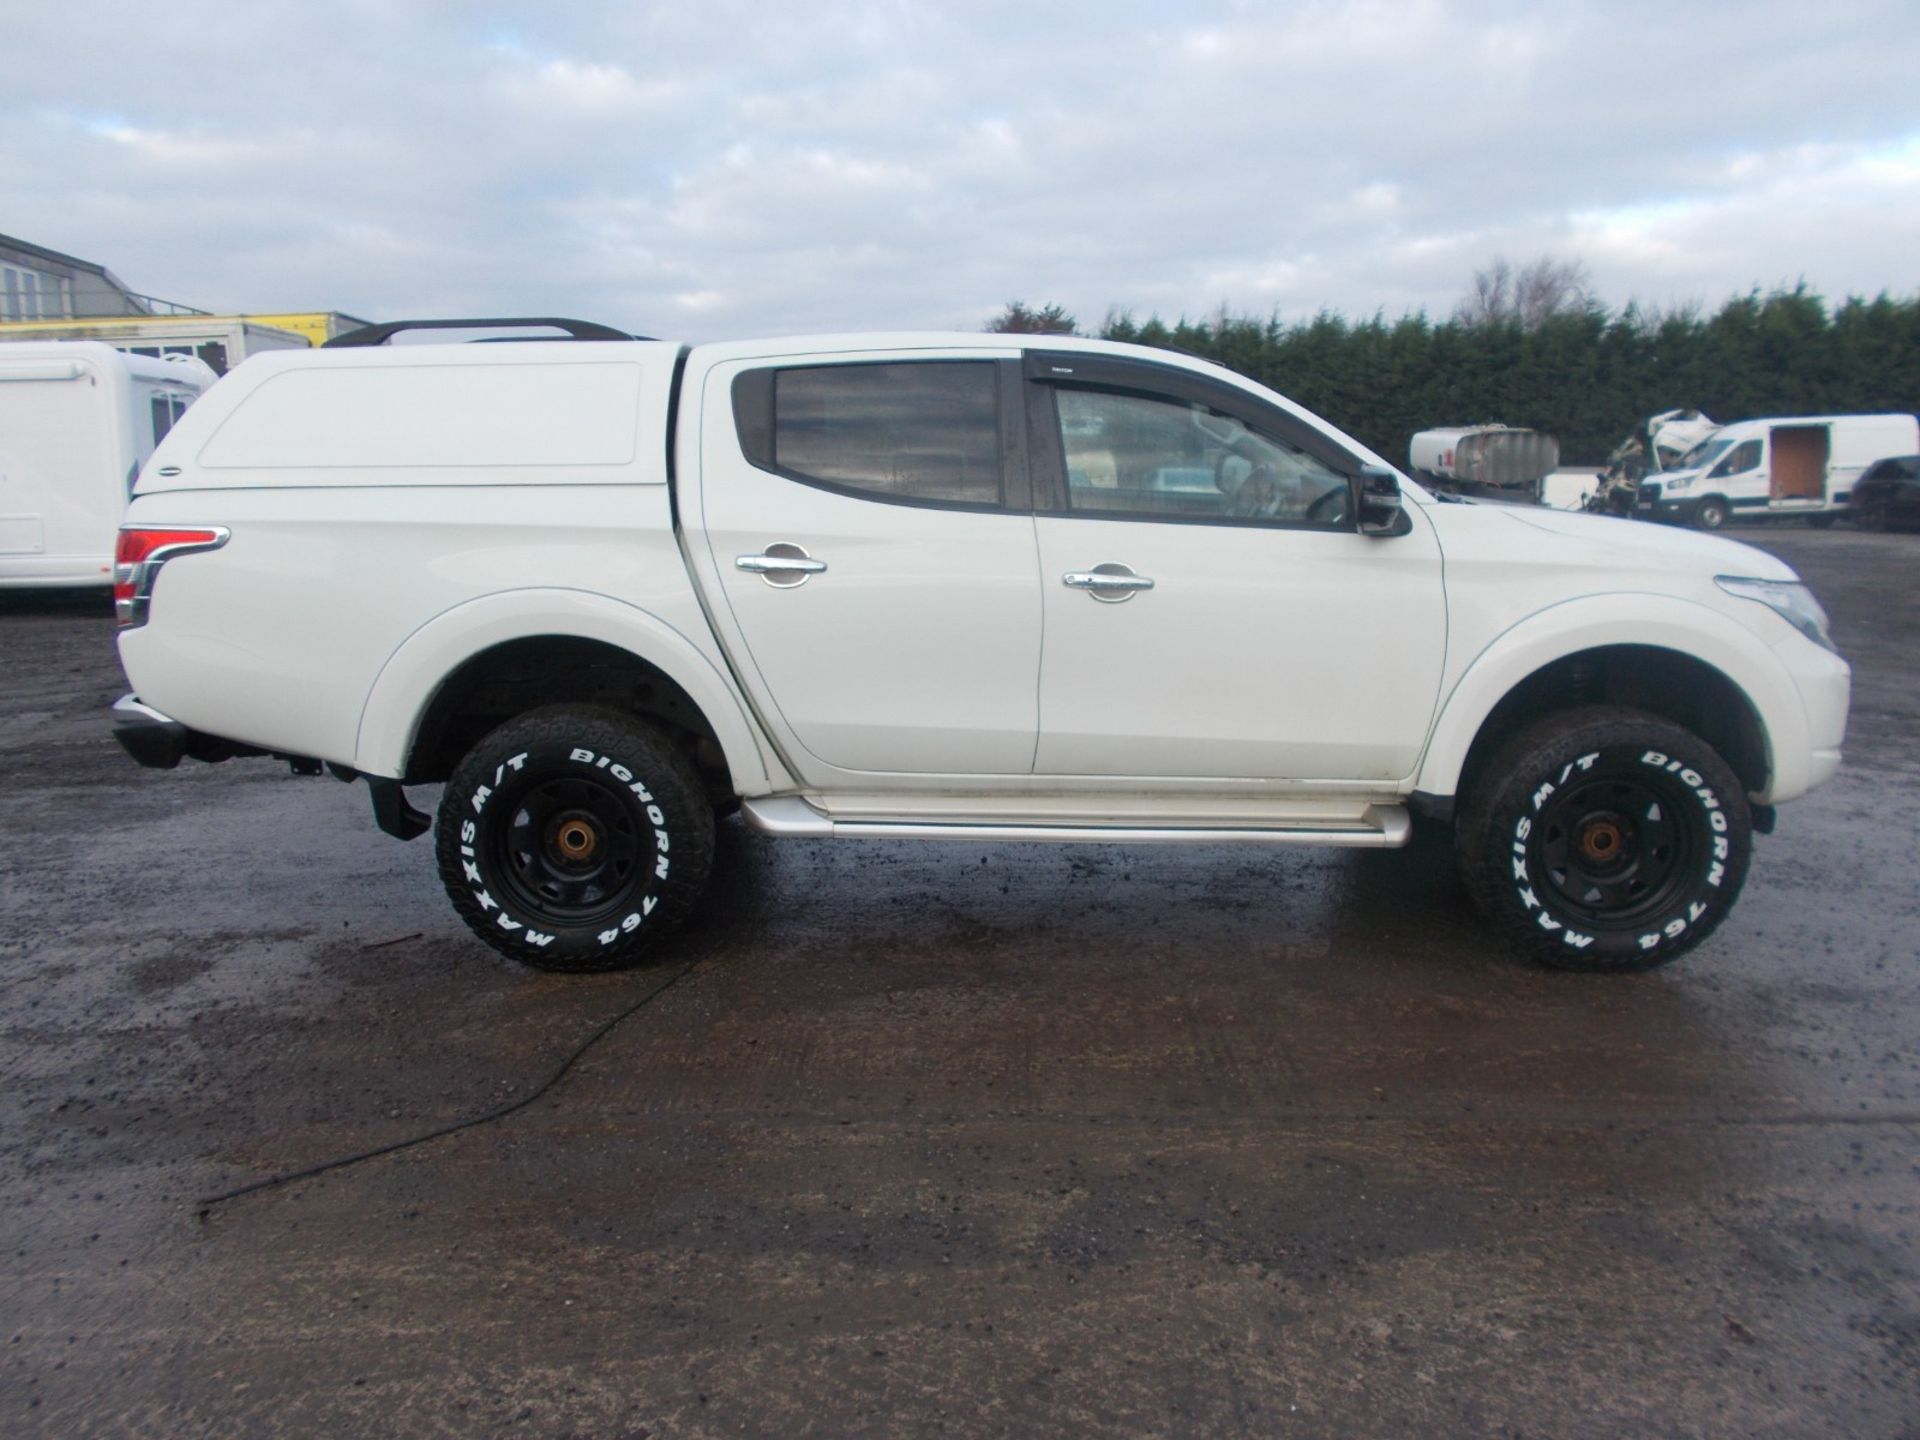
[[943, 1139]]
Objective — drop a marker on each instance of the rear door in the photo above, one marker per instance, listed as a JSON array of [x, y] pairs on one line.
[[1211, 607], [868, 526], [1798, 455]]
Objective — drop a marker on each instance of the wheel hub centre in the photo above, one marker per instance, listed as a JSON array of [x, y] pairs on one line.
[[1601, 840], [575, 840]]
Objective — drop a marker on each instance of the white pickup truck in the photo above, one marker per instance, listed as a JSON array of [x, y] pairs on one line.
[[941, 587]]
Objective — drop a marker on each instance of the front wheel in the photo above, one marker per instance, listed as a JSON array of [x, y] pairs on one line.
[[1710, 513], [1605, 839], [572, 836], [1822, 522]]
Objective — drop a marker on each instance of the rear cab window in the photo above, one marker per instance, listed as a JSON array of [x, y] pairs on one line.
[[918, 432]]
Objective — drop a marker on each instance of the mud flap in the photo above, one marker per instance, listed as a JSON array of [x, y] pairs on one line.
[[393, 814]]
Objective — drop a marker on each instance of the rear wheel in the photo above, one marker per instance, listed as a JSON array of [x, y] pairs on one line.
[[572, 836], [1710, 513], [1605, 839]]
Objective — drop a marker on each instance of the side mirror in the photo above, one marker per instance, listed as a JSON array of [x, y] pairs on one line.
[[1376, 493]]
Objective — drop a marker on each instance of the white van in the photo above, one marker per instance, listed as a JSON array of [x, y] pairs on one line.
[[1800, 465], [77, 421]]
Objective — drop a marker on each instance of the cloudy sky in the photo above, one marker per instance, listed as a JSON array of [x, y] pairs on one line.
[[709, 168]]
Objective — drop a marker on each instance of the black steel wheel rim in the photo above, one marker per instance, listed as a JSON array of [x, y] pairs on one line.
[[1613, 849], [572, 849]]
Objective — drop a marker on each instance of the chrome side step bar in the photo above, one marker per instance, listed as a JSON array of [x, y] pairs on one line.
[[1380, 827]]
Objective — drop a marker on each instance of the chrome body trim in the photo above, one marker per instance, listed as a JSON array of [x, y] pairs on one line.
[[1380, 827], [132, 707], [787, 816]]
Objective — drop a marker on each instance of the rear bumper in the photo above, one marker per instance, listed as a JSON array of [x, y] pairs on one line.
[[161, 742], [155, 740]]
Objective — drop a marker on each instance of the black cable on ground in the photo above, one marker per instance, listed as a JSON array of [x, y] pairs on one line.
[[343, 1161]]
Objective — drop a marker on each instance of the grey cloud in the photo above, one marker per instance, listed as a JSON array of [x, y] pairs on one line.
[[734, 168]]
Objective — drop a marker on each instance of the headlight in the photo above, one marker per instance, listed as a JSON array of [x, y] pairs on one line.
[[1679, 484], [1791, 600]]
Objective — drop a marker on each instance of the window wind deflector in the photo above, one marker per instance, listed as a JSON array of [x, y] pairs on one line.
[[1056, 365], [574, 330], [1076, 367], [1175, 382]]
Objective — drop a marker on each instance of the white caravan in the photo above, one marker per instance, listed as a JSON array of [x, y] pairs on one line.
[[77, 421], [1799, 465]]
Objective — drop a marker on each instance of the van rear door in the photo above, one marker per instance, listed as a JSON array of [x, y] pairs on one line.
[[1800, 454]]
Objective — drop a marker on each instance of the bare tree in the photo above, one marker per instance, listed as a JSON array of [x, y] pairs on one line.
[[1018, 319], [1527, 295], [1490, 299]]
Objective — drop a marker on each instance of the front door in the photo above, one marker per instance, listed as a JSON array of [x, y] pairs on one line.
[[1212, 610], [873, 543], [1739, 478]]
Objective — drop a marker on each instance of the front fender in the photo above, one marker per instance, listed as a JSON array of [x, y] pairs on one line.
[[1592, 622], [414, 672]]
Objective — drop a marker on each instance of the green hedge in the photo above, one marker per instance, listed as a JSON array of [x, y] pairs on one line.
[[1587, 377]]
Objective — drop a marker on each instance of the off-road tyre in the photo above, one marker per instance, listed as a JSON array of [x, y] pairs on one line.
[[573, 837], [1605, 839], [1711, 513]]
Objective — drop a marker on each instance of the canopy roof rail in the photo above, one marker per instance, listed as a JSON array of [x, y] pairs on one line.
[[576, 329]]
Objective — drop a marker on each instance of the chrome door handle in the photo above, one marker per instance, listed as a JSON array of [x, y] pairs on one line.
[[765, 564], [1108, 582], [789, 563]]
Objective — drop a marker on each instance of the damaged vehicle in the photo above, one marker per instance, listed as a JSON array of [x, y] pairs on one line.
[[945, 587], [1657, 443]]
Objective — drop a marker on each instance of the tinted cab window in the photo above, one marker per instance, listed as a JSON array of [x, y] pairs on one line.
[[916, 432], [1164, 458]]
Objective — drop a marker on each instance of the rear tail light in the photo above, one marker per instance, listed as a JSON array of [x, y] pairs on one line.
[[138, 558]]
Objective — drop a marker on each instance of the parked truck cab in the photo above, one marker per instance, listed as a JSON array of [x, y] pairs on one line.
[[941, 587]]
